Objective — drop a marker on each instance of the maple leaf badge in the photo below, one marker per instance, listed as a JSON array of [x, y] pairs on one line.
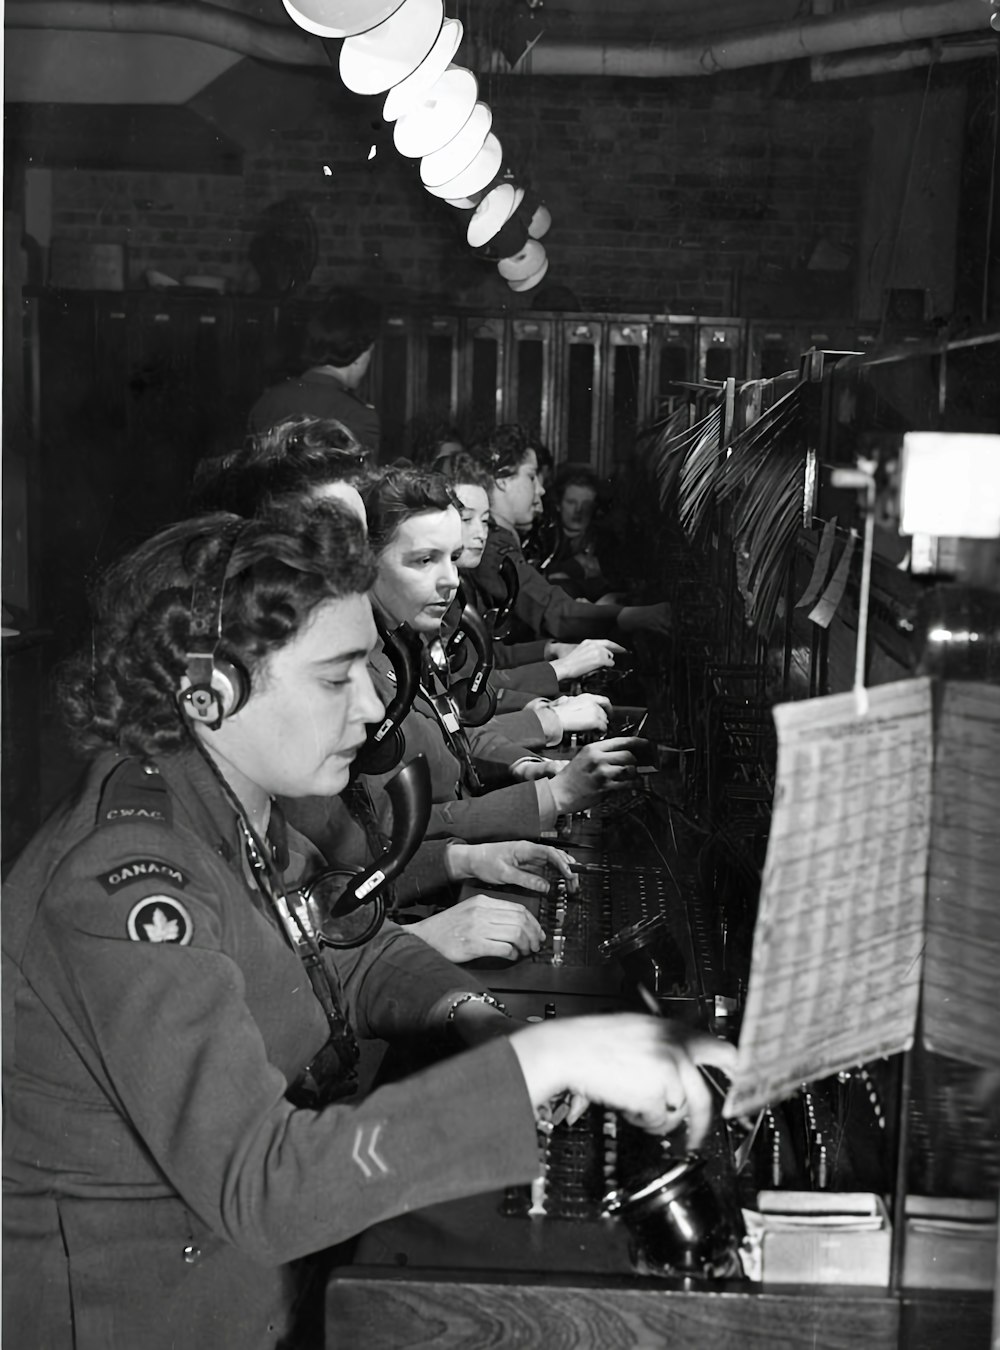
[[160, 918]]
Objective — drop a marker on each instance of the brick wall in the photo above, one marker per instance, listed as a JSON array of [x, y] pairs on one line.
[[672, 196]]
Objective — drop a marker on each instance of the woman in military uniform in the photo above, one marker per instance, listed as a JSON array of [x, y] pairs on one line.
[[179, 1047], [542, 608]]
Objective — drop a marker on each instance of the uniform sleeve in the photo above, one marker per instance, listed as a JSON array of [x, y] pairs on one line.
[[508, 654], [505, 813], [185, 1014], [545, 609], [534, 678]]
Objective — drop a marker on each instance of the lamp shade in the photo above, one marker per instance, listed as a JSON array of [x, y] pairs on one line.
[[407, 94], [373, 62], [444, 111], [540, 221], [491, 213], [339, 18], [522, 264], [529, 283], [476, 176], [460, 151]]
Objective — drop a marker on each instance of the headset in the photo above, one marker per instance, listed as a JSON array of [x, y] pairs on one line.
[[217, 688], [474, 696], [499, 618], [385, 743], [410, 795]]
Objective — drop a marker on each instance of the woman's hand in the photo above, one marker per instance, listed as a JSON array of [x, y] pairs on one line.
[[582, 712], [481, 926], [572, 661], [648, 618], [513, 862], [533, 767], [604, 766], [645, 1067]]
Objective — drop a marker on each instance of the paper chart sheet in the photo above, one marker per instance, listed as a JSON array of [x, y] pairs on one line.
[[961, 1009], [840, 927]]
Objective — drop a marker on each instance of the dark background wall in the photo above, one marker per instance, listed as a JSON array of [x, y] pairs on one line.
[[711, 195]]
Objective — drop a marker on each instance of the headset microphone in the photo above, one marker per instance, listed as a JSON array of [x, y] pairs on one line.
[[474, 695], [499, 618], [385, 744]]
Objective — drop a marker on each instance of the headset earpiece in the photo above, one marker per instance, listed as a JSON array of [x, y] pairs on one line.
[[380, 756], [474, 708], [216, 688]]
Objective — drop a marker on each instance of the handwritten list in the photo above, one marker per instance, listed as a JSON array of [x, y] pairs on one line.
[[961, 987], [835, 977]]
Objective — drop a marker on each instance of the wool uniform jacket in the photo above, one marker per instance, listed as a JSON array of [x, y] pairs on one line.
[[510, 810], [542, 609], [158, 1180]]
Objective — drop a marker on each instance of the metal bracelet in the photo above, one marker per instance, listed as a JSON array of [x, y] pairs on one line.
[[488, 999]]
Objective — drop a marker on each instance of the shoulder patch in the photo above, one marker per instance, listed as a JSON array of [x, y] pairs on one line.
[[160, 918], [134, 791], [136, 869]]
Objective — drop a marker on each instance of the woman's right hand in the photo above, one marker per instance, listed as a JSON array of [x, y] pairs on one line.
[[483, 925], [603, 766], [574, 661], [645, 1067]]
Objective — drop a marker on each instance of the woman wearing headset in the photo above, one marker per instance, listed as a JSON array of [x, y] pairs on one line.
[[179, 1046], [415, 528], [543, 609], [307, 459], [539, 665]]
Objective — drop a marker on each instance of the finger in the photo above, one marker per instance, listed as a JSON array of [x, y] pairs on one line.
[[562, 862], [528, 881], [714, 1051], [694, 1091], [615, 647], [623, 743], [577, 1105]]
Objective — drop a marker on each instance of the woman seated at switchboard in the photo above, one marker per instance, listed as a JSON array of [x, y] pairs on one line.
[[543, 609], [540, 665], [415, 528], [181, 1124], [306, 459]]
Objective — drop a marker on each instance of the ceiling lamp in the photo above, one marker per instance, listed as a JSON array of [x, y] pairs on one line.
[[475, 177], [340, 18], [374, 61], [404, 96], [522, 264], [529, 283], [440, 116], [460, 151]]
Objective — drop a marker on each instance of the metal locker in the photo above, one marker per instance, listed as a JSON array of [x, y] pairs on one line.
[[720, 349], [482, 363], [673, 360], [395, 380], [579, 392], [627, 396], [530, 378]]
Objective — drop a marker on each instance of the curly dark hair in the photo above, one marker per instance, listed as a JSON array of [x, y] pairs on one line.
[[122, 691], [464, 467], [286, 461], [504, 449], [398, 493]]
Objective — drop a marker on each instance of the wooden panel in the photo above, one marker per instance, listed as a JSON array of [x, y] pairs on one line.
[[545, 1314]]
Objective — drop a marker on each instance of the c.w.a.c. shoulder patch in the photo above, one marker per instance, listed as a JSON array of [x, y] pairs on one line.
[[160, 918], [136, 869]]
